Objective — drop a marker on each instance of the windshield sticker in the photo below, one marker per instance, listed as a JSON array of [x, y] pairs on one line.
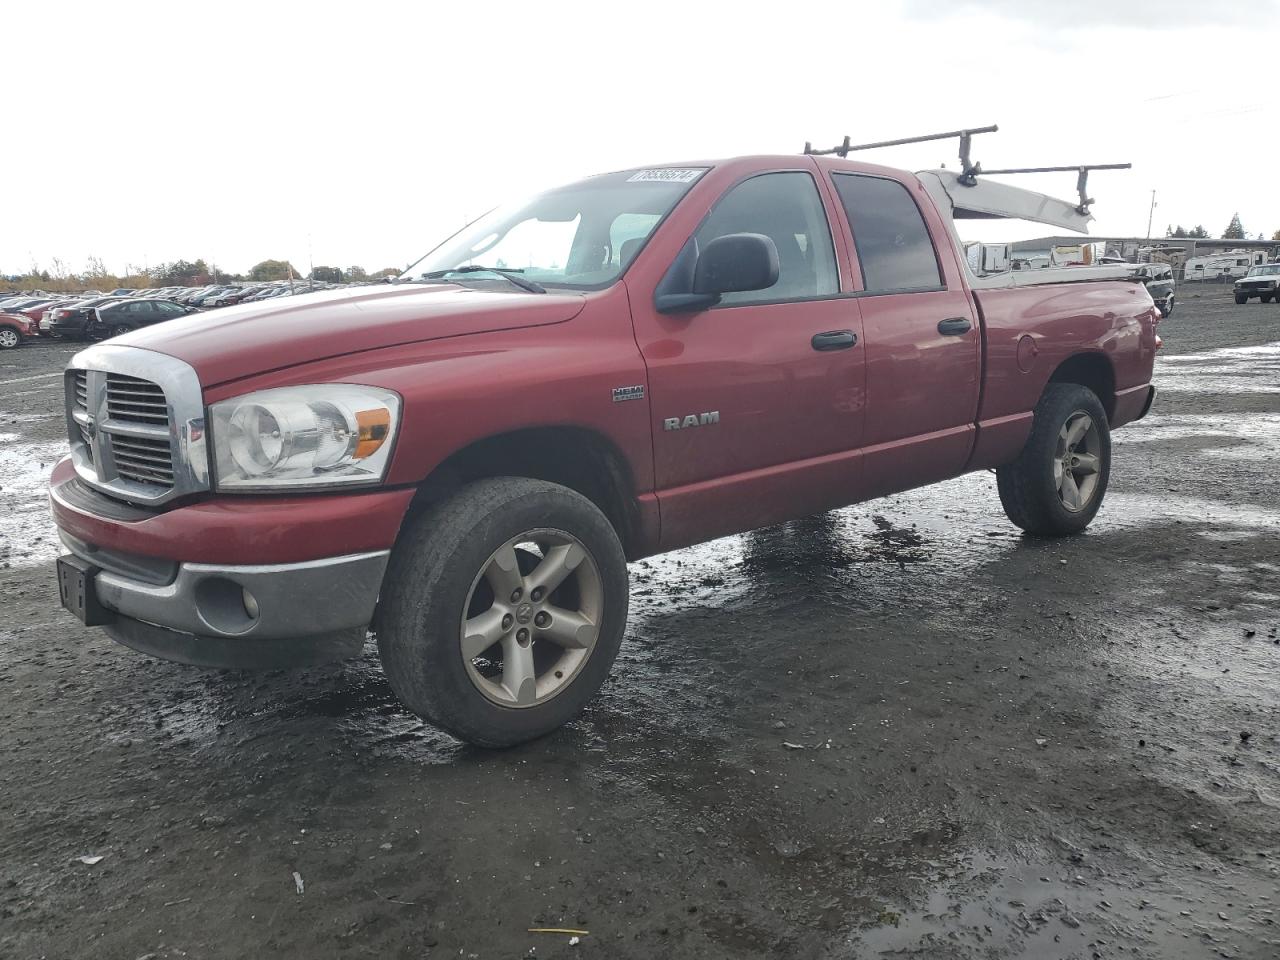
[[665, 176]]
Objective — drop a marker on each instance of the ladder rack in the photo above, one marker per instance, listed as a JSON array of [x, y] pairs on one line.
[[969, 169]]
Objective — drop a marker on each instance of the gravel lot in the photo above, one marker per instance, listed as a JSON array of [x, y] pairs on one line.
[[899, 729]]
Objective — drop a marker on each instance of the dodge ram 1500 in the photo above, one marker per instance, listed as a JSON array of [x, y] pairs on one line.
[[464, 461]]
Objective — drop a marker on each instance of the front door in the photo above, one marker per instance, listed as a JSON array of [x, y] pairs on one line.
[[757, 403]]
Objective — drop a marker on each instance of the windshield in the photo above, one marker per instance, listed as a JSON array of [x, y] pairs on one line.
[[1270, 270], [582, 235]]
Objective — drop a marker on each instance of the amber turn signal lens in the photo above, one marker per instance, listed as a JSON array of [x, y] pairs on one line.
[[374, 426]]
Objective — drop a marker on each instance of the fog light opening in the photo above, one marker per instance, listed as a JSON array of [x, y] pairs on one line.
[[251, 605]]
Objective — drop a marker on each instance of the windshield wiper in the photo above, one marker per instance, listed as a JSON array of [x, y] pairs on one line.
[[507, 274]]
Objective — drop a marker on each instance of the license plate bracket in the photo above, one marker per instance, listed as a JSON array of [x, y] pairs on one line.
[[78, 590]]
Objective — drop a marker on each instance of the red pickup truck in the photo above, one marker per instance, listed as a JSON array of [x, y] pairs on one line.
[[464, 461]]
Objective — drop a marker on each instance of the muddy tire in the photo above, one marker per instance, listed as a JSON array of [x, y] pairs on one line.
[[1056, 485], [503, 609]]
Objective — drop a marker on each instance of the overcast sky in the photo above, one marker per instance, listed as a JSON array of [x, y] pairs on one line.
[[362, 133]]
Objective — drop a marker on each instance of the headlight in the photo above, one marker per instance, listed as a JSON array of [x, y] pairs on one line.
[[324, 435]]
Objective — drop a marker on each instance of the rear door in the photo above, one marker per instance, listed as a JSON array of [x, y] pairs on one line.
[[921, 336]]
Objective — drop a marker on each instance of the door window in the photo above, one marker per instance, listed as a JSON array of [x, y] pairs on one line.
[[786, 208], [889, 234]]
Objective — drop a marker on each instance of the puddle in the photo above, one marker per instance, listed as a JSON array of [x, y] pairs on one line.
[[27, 534], [350, 704], [1228, 436], [998, 908], [1229, 370]]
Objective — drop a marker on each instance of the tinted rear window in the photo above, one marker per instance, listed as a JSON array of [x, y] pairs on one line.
[[893, 245]]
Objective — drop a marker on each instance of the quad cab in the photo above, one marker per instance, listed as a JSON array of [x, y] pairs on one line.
[[465, 460]]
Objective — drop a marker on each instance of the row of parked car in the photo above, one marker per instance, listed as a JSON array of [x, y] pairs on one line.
[[96, 315]]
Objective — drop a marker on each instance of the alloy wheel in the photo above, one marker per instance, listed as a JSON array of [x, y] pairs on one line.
[[532, 618], [1077, 461], [8, 338]]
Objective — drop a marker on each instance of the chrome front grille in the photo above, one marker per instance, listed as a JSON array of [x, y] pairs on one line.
[[136, 423]]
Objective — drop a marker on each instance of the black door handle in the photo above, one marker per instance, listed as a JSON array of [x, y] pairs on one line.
[[954, 326], [834, 340]]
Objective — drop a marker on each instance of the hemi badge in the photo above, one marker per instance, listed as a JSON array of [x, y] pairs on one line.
[[628, 393]]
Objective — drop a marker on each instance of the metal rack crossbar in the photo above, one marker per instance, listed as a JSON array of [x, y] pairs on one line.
[[969, 169], [1082, 178]]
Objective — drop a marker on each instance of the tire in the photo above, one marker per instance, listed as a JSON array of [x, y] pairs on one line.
[[1266, 297], [9, 338], [1029, 487], [1167, 310], [442, 575], [118, 330], [1241, 298]]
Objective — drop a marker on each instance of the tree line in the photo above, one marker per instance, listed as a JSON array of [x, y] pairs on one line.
[[1235, 231], [57, 278]]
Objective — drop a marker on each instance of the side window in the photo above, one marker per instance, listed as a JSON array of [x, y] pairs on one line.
[[786, 208], [893, 244]]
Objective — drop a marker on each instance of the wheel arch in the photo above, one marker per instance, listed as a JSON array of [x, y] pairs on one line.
[[579, 458], [1093, 370]]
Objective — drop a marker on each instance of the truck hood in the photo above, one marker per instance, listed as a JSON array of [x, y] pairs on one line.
[[241, 341]]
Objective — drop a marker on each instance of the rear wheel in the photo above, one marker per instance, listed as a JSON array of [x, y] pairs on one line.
[[1266, 297], [503, 609], [9, 338], [1056, 485], [1167, 310]]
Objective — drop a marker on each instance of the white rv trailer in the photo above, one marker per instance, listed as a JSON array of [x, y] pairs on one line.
[[1223, 266]]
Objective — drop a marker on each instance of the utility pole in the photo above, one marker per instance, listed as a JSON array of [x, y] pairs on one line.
[[1150, 215]]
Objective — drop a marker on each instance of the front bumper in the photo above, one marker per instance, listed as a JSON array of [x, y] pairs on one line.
[[243, 617], [178, 585], [268, 602]]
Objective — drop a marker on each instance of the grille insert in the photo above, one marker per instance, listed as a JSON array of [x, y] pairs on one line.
[[136, 401], [80, 387], [131, 435]]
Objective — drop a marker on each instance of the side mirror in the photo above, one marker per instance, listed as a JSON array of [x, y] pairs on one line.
[[696, 280], [736, 262]]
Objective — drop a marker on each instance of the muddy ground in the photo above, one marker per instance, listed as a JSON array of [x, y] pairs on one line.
[[1007, 747]]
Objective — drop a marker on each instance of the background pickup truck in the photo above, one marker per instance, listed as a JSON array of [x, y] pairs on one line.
[[464, 461]]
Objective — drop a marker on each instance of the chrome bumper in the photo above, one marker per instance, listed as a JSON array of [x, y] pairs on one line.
[[249, 603]]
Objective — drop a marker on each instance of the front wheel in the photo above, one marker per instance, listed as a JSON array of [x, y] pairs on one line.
[[503, 609], [9, 338], [1241, 298], [1056, 485]]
